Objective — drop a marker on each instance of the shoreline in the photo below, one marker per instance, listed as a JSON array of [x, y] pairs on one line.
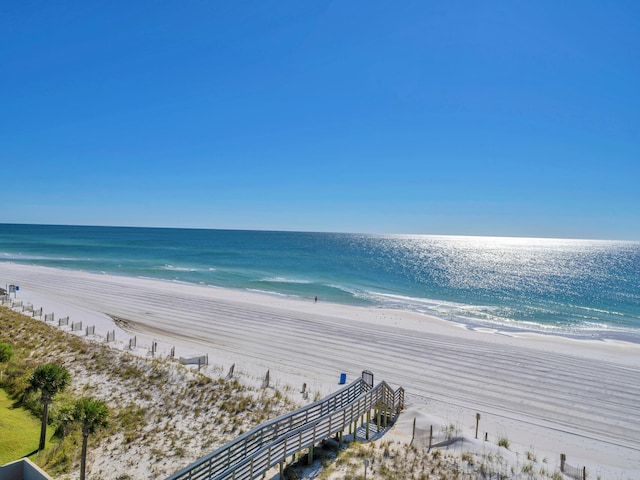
[[518, 328], [551, 393]]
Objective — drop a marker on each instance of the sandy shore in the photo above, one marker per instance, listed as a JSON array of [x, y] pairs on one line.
[[548, 394]]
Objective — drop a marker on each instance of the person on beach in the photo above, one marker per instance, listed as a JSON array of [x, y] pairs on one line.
[[316, 299]]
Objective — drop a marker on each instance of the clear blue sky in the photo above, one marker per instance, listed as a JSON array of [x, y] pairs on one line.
[[485, 118]]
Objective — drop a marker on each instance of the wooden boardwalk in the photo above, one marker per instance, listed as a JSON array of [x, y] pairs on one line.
[[252, 454]]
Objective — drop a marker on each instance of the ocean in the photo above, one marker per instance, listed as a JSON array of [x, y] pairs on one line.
[[579, 288]]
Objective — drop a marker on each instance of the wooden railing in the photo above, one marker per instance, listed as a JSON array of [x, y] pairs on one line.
[[253, 453]]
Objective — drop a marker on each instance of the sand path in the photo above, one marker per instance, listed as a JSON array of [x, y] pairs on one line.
[[550, 394]]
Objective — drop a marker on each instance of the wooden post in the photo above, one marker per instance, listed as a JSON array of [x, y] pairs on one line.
[[310, 459], [368, 422], [430, 436], [486, 436], [477, 423], [584, 473], [413, 435], [281, 470], [563, 459], [378, 415]]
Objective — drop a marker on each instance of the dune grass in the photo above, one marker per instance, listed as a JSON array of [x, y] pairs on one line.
[[161, 411], [19, 431]]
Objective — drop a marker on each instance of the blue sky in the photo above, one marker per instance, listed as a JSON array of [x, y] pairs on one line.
[[480, 118]]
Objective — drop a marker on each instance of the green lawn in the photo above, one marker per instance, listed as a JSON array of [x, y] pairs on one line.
[[19, 431]]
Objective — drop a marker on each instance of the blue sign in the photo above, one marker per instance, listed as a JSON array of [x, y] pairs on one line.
[[17, 287]]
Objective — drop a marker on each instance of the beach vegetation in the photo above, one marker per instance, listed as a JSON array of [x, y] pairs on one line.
[[527, 468], [59, 458], [503, 442], [92, 415], [48, 379], [450, 431], [152, 402], [6, 352]]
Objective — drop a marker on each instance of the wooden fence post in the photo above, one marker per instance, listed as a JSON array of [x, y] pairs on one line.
[[477, 423], [413, 435], [563, 459]]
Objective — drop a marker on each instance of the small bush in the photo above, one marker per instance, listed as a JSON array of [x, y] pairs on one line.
[[503, 442]]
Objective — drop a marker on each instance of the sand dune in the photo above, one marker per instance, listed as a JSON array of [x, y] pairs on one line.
[[549, 394]]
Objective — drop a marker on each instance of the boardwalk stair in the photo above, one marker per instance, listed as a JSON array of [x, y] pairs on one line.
[[255, 452]]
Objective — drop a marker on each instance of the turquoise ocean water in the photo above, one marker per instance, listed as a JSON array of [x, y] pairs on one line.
[[584, 288]]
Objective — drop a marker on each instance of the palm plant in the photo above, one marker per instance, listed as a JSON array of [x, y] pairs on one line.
[[92, 414], [49, 379]]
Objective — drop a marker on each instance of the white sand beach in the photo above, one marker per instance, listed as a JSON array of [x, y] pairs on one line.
[[548, 394]]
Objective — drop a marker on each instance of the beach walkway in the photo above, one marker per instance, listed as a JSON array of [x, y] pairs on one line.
[[255, 452]]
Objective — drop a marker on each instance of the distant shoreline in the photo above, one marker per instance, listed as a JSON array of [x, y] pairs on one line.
[[514, 328]]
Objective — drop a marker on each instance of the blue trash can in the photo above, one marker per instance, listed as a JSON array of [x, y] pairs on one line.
[[343, 378]]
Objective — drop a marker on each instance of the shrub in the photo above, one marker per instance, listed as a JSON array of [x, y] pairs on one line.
[[503, 442]]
